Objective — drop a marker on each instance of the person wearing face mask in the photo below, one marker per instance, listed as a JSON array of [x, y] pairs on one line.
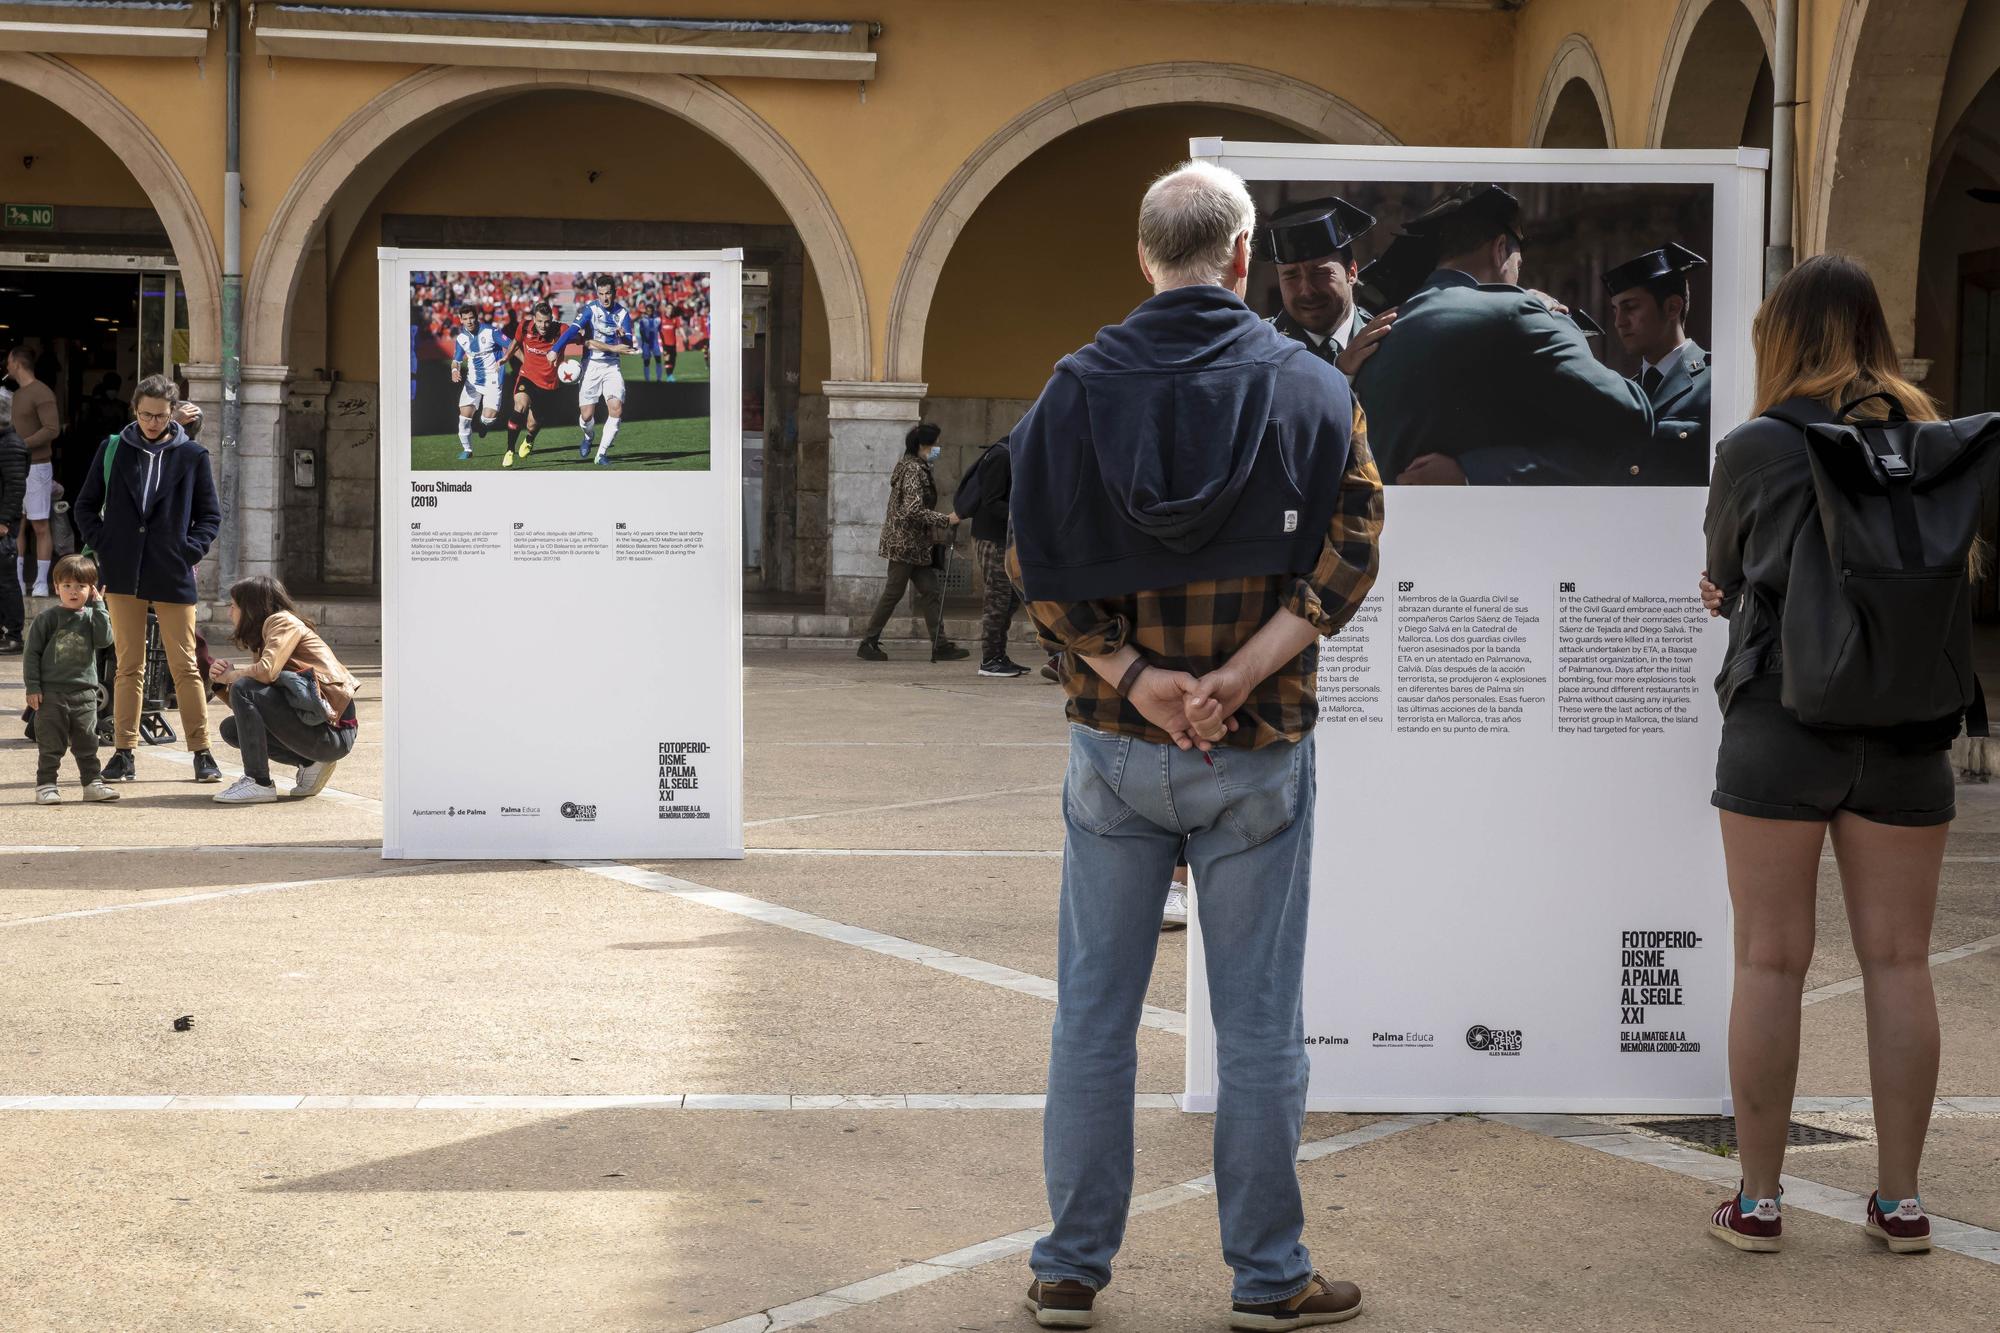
[[913, 533], [148, 512]]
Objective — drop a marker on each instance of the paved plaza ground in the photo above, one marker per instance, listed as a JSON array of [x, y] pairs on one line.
[[799, 1091]]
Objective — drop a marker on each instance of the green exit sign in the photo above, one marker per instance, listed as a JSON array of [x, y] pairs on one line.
[[31, 217]]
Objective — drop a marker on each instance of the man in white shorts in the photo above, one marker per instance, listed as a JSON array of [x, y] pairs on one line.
[[479, 353], [605, 327], [36, 422]]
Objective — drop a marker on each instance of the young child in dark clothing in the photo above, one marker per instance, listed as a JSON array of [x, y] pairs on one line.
[[60, 672]]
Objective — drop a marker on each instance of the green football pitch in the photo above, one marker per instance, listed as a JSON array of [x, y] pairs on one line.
[[690, 368], [679, 445]]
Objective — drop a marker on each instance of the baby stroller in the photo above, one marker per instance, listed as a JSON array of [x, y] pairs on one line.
[[157, 695]]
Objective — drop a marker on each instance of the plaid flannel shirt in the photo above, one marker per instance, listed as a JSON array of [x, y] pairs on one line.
[[1199, 626]]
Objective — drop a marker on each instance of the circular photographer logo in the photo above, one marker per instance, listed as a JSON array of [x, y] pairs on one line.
[[583, 814], [1493, 1041]]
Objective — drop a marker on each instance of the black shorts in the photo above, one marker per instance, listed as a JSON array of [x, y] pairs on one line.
[[546, 404], [1772, 766]]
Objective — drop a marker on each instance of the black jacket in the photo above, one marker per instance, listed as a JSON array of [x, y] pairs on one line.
[[983, 491], [13, 479], [149, 552], [1193, 441], [1489, 376], [1759, 496]]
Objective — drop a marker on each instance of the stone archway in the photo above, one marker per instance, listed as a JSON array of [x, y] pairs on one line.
[[407, 111], [157, 174], [1575, 77], [1306, 108], [1708, 48], [1876, 129]]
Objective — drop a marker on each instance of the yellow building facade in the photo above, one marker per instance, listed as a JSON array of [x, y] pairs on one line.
[[940, 191]]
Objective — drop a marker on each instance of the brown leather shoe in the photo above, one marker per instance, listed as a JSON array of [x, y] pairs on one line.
[[1322, 1302], [1064, 1304]]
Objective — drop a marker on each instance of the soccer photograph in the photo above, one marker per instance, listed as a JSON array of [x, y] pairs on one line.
[[541, 371]]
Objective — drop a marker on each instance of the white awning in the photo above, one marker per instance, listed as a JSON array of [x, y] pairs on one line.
[[785, 49], [107, 27]]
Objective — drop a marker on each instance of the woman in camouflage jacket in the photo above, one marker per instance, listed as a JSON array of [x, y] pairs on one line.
[[911, 532]]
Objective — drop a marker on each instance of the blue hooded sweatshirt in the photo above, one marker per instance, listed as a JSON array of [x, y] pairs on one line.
[[1193, 441]]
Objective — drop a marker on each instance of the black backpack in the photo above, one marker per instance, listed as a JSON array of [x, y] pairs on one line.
[[1877, 623], [986, 482]]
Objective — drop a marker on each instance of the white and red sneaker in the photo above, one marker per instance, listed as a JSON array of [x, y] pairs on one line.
[[1760, 1230], [1906, 1228]]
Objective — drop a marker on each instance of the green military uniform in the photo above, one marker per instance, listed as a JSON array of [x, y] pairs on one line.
[[1326, 349], [1488, 375], [1677, 453]]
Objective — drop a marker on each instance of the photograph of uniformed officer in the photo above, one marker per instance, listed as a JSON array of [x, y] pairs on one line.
[[1483, 381], [1650, 305], [1312, 244]]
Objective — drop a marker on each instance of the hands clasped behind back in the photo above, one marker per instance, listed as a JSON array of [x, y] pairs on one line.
[[1197, 714]]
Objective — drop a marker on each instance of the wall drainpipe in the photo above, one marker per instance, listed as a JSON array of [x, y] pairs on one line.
[[1778, 254], [231, 536]]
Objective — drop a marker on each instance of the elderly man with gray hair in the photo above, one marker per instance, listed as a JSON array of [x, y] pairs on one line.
[[1194, 506]]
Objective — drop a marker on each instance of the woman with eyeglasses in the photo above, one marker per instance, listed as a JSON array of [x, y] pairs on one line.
[[148, 512]]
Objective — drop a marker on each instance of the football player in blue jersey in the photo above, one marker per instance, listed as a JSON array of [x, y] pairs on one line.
[[606, 330], [478, 353]]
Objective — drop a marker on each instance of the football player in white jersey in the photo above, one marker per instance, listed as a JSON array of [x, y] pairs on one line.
[[606, 330], [479, 352]]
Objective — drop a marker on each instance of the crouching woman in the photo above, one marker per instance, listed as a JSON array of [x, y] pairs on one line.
[[293, 705]]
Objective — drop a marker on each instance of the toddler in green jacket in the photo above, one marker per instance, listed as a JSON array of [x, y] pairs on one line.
[[60, 672]]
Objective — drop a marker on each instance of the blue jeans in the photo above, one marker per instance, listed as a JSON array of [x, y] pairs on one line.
[[1247, 822]]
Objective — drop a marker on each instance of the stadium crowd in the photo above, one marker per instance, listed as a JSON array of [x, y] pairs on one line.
[[680, 300]]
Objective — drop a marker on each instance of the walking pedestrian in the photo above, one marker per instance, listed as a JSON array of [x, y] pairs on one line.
[[982, 497], [1883, 793], [148, 512], [1194, 507], [913, 540]]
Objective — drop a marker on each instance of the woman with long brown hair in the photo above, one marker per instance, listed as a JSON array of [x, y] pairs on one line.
[[1884, 794], [293, 705]]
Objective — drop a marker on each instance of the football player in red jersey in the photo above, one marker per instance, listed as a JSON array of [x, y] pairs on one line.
[[669, 341], [535, 385]]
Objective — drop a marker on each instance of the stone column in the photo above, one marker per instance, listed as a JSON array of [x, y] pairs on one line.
[[260, 463], [305, 428], [353, 499], [866, 423]]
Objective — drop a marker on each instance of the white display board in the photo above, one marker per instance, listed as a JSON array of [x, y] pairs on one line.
[[562, 637], [1518, 898]]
